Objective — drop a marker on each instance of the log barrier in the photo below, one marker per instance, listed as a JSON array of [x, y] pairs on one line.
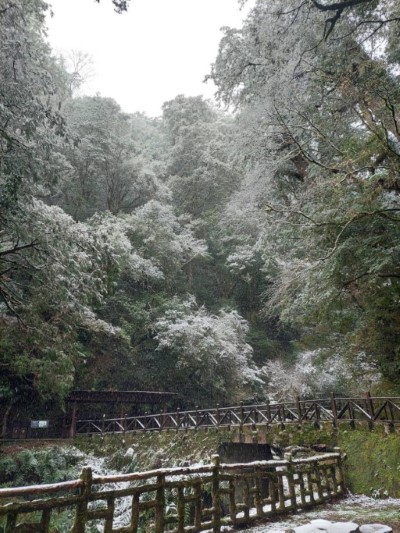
[[176, 500]]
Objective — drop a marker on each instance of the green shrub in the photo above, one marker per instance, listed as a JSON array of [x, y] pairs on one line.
[[50, 465]]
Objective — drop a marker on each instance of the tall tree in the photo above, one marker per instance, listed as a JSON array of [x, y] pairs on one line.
[[206, 354], [107, 170], [202, 175], [321, 142], [31, 127]]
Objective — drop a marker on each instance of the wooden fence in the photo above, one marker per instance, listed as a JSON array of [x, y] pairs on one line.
[[179, 500], [368, 409]]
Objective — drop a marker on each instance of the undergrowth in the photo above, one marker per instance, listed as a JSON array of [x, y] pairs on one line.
[[49, 465]]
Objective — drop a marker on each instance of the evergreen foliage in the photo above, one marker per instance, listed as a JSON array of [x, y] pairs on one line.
[[31, 467], [215, 255]]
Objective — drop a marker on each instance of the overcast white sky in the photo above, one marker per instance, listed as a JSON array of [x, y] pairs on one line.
[[159, 49]]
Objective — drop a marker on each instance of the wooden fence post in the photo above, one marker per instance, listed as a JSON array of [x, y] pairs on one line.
[[290, 478], [282, 415], [45, 521], [216, 495], [370, 409], [317, 477], [121, 417], [197, 506], [339, 471], [352, 415], [255, 418], [11, 522], [334, 409], [273, 490], [391, 411], [281, 491], [298, 405], [180, 507], [82, 507], [135, 511], [268, 410], [258, 499], [160, 504], [72, 429], [124, 426], [317, 415]]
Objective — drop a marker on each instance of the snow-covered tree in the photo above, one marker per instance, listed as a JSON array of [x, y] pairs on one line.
[[314, 374], [31, 127], [107, 171], [169, 241], [202, 175], [319, 201], [29, 115], [205, 357], [57, 287]]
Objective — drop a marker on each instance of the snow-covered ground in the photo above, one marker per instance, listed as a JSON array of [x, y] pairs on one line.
[[359, 509], [123, 506]]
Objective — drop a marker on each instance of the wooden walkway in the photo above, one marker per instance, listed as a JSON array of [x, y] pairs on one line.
[[177, 500], [368, 409]]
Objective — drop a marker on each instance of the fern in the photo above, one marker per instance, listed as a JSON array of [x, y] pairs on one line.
[[8, 469]]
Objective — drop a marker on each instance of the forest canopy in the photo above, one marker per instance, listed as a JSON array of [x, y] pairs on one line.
[[223, 255]]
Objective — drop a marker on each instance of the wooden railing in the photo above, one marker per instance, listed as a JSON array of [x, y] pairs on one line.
[[367, 409], [179, 500]]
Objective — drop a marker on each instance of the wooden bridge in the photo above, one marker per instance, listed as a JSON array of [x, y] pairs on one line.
[[367, 409], [177, 500]]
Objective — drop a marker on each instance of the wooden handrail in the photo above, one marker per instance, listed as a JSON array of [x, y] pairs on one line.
[[201, 497], [13, 492], [369, 409]]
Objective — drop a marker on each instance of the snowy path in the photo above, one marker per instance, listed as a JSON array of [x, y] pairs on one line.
[[360, 509]]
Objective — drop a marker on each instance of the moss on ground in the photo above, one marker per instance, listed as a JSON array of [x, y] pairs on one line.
[[157, 449], [303, 435], [373, 456], [372, 466]]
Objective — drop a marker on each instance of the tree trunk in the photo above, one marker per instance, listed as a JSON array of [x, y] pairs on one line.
[[5, 418]]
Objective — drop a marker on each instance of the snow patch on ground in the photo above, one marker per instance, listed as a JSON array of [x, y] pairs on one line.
[[363, 507]]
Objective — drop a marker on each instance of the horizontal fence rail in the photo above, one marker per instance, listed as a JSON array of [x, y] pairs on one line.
[[176, 500], [367, 409]]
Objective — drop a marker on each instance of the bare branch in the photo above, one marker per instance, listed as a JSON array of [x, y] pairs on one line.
[[305, 154], [338, 8], [330, 23], [294, 10], [339, 5], [361, 214], [18, 248]]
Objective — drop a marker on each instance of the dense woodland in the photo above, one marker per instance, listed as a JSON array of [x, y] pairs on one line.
[[244, 250]]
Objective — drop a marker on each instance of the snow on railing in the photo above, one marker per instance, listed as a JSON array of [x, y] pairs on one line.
[[185, 499]]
